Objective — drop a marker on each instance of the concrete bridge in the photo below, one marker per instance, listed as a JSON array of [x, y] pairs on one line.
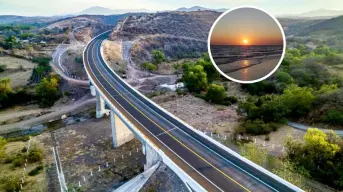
[[201, 162]]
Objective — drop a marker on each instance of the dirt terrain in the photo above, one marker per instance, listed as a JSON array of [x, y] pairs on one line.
[[85, 146], [18, 70]]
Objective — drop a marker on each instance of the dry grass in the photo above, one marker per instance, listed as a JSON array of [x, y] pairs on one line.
[[113, 55], [15, 63], [18, 70], [35, 183]]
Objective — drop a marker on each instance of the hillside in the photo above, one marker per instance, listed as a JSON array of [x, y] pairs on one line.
[[334, 25], [186, 24], [177, 34], [14, 19]]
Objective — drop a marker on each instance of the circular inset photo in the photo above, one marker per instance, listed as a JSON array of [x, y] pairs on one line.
[[246, 44]]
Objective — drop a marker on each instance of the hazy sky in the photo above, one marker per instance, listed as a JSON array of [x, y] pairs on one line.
[[57, 7], [246, 26]]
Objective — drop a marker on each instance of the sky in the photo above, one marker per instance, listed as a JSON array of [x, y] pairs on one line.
[[246, 26], [61, 7]]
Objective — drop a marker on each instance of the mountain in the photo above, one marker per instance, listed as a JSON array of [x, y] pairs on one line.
[[316, 14], [331, 26], [105, 11], [198, 8], [322, 13], [38, 21]]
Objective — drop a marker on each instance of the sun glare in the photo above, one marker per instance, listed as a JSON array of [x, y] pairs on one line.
[[245, 41]]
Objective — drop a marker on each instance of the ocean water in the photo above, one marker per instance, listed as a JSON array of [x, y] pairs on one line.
[[246, 63]]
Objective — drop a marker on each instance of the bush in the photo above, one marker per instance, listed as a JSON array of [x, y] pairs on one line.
[[35, 155], [149, 66], [215, 93], [256, 127], [2, 68], [231, 99], [36, 171], [158, 56], [333, 117], [18, 161], [11, 183]]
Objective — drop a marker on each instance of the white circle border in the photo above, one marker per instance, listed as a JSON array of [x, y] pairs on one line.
[[236, 80]]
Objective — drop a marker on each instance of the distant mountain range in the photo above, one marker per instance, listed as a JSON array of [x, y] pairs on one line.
[[105, 11], [198, 8], [319, 13]]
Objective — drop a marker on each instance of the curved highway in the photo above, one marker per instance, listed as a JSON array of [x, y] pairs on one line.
[[209, 165]]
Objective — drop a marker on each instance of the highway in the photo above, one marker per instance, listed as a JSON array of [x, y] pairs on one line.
[[209, 165]]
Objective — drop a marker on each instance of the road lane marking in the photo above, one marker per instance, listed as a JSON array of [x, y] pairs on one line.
[[233, 180], [166, 131]]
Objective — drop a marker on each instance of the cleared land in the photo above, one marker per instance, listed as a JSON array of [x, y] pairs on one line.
[[18, 70]]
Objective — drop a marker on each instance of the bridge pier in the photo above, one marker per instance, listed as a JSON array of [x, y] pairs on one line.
[[100, 106], [93, 92], [120, 132], [152, 157]]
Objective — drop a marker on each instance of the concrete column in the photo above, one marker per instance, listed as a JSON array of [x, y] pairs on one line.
[[120, 132], [93, 92], [100, 106], [152, 157]]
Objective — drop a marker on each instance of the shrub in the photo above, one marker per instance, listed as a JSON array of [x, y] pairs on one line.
[[257, 127], [18, 161], [333, 117], [36, 171], [216, 93], [158, 56], [149, 66], [11, 183], [35, 155], [231, 99], [2, 68]]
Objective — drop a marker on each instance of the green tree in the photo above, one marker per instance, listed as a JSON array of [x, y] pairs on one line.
[[215, 93], [298, 99], [47, 92], [158, 57], [194, 77], [211, 71], [149, 66]]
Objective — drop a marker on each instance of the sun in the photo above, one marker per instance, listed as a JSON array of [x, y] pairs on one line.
[[245, 41]]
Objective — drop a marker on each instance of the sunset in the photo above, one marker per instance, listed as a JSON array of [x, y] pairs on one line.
[[254, 28], [246, 44], [245, 41]]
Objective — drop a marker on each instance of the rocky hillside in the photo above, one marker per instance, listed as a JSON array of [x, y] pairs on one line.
[[193, 24], [177, 34]]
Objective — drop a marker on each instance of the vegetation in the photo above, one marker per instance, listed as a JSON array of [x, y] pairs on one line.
[[282, 167], [302, 85], [2, 68], [215, 93], [47, 92], [149, 66], [320, 154], [36, 171], [158, 57]]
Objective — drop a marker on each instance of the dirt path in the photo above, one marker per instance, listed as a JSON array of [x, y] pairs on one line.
[[54, 115]]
